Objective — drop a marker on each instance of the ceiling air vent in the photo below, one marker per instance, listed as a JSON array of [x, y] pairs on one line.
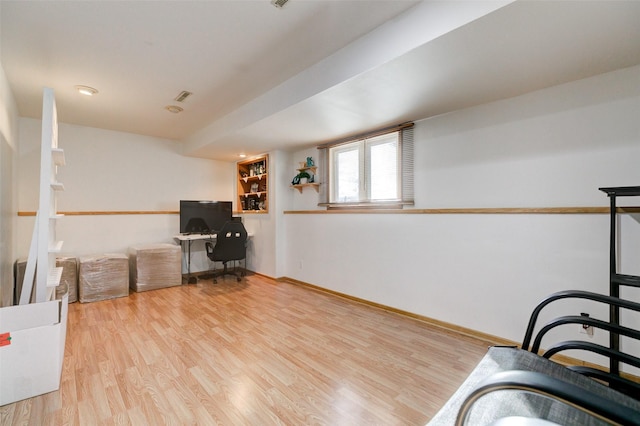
[[183, 95], [279, 3]]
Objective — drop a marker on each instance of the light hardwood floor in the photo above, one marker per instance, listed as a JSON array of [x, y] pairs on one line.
[[258, 352]]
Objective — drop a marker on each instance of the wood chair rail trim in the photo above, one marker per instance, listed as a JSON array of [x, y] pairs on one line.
[[104, 213], [472, 210]]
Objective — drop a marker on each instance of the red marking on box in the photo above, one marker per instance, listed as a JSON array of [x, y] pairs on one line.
[[5, 339]]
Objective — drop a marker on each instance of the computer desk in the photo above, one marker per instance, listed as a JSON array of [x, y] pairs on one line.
[[189, 239]]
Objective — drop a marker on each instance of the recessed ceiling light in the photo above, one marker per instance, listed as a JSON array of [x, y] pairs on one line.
[[86, 90], [242, 155], [173, 108]]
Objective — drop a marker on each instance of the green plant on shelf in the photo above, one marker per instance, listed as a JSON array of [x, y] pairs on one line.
[[301, 178]]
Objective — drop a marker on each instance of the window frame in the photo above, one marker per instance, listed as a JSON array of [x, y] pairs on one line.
[[334, 152], [369, 143], [404, 169]]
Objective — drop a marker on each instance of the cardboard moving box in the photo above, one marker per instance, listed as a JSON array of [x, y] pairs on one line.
[[154, 266], [103, 276], [32, 352]]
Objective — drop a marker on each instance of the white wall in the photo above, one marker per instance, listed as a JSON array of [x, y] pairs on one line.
[[265, 249], [115, 171], [8, 178], [283, 196], [551, 148]]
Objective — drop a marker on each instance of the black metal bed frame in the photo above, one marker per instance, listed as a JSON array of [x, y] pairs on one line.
[[623, 393]]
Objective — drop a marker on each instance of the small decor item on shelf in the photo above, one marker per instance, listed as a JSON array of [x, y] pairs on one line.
[[257, 169], [254, 187], [309, 162], [301, 178]]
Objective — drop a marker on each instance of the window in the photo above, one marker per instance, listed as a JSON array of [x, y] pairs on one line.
[[373, 170]]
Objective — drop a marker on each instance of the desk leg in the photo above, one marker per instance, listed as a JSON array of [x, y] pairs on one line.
[[190, 279]]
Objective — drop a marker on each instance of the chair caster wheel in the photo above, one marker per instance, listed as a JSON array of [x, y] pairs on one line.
[[238, 279]]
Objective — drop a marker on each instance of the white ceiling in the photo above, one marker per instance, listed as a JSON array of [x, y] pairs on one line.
[[265, 78]]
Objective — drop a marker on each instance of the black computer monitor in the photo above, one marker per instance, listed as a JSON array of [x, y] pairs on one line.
[[204, 217]]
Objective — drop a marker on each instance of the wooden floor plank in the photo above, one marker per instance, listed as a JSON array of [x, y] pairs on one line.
[[255, 352]]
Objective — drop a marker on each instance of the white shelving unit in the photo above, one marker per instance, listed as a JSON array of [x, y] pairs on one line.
[[31, 364], [253, 185], [44, 245]]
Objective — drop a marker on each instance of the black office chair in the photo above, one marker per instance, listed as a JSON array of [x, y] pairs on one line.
[[196, 225], [230, 246]]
